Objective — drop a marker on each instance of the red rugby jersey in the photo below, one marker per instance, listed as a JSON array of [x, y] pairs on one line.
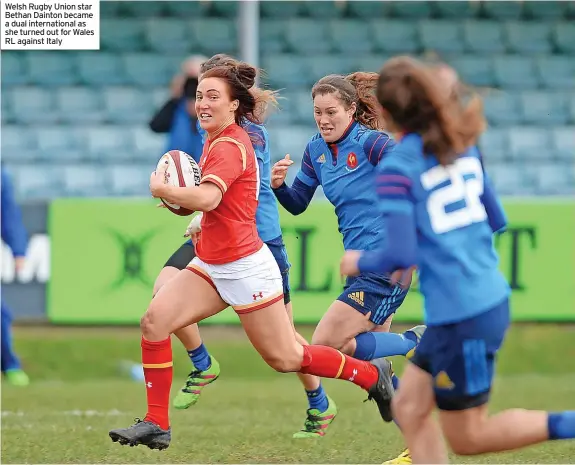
[[229, 231]]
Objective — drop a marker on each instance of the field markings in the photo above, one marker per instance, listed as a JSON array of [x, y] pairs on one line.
[[67, 413]]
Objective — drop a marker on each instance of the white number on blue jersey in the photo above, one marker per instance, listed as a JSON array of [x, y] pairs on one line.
[[459, 189]]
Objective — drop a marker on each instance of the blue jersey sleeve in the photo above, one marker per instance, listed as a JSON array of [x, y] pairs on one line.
[[259, 140], [394, 187], [13, 231], [398, 217], [493, 207], [294, 199], [307, 174], [376, 146]]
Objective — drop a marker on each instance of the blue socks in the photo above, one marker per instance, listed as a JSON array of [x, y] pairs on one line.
[[200, 358], [561, 425], [317, 399], [376, 345], [395, 382]]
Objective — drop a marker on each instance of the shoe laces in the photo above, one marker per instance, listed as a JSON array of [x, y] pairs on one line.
[[191, 381], [311, 423]]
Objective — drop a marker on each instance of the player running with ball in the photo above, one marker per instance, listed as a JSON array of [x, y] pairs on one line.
[[440, 212], [233, 267], [206, 367]]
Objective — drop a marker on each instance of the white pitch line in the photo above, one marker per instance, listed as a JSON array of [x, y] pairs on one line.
[[67, 413]]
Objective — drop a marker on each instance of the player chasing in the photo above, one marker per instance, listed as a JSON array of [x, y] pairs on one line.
[[322, 410], [440, 213], [342, 158], [238, 271], [449, 80]]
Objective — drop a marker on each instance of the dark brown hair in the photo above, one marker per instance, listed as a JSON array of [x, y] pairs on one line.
[[265, 99], [417, 101], [358, 88]]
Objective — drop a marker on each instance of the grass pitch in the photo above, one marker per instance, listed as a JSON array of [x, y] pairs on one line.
[[250, 413]]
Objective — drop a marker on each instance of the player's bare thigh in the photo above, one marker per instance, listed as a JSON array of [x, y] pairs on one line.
[[177, 305], [167, 273], [340, 324], [272, 334], [189, 336]]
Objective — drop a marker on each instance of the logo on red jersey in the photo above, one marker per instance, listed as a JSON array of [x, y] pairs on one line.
[[352, 161], [259, 295]]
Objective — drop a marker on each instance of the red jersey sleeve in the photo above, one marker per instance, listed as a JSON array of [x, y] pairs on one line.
[[225, 162]]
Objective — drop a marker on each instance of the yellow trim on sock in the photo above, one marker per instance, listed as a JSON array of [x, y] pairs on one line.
[[158, 365], [341, 365]]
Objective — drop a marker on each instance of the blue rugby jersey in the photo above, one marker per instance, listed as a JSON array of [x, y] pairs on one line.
[[346, 171], [453, 212], [13, 231], [267, 214]]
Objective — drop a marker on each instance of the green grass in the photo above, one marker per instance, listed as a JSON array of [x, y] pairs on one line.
[[249, 414]]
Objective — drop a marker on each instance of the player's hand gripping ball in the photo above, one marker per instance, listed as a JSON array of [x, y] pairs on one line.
[[175, 168]]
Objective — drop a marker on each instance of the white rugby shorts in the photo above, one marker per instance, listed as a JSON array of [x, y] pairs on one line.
[[247, 284]]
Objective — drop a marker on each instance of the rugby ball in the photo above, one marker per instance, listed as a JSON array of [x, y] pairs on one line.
[[182, 171]]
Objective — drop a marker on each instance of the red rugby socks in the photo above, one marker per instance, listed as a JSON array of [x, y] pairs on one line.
[[158, 367], [327, 362]]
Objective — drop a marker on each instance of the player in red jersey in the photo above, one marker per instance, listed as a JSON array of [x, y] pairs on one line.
[[233, 267]]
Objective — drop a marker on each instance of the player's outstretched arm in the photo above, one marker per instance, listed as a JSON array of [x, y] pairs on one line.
[[294, 199], [493, 208], [495, 213]]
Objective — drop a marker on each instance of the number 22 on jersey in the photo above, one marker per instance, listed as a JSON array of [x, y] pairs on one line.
[[465, 186]]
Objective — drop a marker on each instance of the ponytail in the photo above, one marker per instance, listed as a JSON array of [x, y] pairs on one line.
[[417, 102]]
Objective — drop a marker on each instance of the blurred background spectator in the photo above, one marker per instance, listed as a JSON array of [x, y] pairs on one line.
[[14, 235], [177, 117]]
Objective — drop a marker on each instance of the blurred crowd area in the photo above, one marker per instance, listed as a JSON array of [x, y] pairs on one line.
[[94, 123]]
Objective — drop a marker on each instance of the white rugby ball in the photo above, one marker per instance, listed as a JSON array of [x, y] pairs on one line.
[[183, 171]]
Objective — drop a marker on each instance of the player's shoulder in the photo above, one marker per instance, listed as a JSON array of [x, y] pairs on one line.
[[232, 139], [314, 144], [365, 135], [473, 152], [258, 135], [406, 157], [234, 133]]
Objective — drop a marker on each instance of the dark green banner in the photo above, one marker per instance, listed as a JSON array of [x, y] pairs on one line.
[[107, 253]]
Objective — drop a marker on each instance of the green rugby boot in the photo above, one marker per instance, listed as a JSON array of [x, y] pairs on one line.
[[197, 380], [317, 422], [17, 377]]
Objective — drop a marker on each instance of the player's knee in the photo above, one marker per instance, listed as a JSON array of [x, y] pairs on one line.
[[465, 443], [146, 322], [405, 410], [151, 320], [284, 361], [280, 364], [322, 338], [348, 348]]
